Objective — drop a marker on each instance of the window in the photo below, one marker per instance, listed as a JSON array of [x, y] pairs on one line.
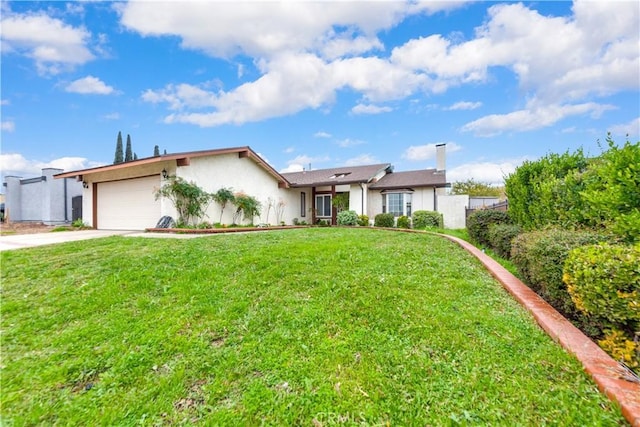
[[397, 204], [303, 204], [323, 205]]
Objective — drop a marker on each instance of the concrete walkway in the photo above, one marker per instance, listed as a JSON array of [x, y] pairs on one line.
[[20, 241]]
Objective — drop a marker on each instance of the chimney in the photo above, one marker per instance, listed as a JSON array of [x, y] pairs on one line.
[[441, 157]]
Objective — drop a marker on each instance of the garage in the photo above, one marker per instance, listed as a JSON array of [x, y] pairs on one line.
[[128, 204]]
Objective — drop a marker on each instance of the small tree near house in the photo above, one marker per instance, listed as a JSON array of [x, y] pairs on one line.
[[190, 201], [223, 197], [247, 206]]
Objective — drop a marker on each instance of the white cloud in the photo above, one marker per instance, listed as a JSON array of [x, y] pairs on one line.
[[303, 162], [348, 142], [488, 172], [289, 150], [5, 102], [322, 134], [632, 128], [535, 117], [306, 53], [370, 109], [363, 159], [54, 45], [293, 167], [224, 29], [112, 116], [16, 164], [89, 86], [464, 105], [417, 153], [8, 126]]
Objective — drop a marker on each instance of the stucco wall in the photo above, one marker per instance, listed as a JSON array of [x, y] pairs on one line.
[[240, 175], [41, 199], [453, 209]]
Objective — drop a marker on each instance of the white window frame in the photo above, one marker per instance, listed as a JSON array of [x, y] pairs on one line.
[[325, 197], [406, 203]]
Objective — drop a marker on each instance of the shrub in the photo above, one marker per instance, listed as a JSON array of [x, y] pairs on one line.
[[479, 222], [604, 282], [612, 190], [540, 256], [621, 347], [500, 237], [427, 219], [383, 220], [205, 225], [323, 223], [347, 218], [363, 221], [403, 222]]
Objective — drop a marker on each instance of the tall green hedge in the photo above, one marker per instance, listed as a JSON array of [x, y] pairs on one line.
[[604, 283], [539, 257], [574, 191], [479, 222]]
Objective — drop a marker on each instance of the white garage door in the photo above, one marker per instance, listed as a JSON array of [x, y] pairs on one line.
[[128, 204]]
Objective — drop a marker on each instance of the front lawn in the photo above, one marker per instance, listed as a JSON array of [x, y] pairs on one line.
[[309, 327]]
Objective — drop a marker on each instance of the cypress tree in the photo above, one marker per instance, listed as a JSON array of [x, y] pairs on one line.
[[156, 151], [128, 156], [135, 156], [165, 151], [118, 157]]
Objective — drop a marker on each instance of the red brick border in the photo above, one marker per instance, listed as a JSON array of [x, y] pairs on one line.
[[611, 378]]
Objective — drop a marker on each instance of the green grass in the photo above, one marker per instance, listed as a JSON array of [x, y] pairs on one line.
[[319, 326]]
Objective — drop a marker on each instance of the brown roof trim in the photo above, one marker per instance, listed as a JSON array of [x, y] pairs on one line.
[[181, 159]]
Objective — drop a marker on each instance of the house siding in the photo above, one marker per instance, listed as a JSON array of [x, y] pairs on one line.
[[240, 175], [42, 199]]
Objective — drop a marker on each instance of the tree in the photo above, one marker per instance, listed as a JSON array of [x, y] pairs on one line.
[[340, 201], [156, 151], [247, 207], [128, 156], [165, 151], [135, 156], [118, 157], [190, 201], [475, 189], [222, 197]]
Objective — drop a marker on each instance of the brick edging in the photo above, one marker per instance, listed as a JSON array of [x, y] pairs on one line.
[[608, 374]]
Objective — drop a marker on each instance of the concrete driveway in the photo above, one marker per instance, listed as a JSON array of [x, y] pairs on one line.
[[20, 241]]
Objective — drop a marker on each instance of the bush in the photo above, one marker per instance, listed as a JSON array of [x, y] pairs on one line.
[[604, 283], [479, 222], [500, 237], [347, 218], [427, 219], [363, 221], [383, 220], [403, 222], [540, 256]]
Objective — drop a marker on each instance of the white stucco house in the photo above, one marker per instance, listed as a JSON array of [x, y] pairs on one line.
[[122, 196]]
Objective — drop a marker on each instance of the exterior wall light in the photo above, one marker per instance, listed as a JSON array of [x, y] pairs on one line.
[[165, 174]]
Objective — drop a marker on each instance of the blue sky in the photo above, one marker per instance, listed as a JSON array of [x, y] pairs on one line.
[[318, 83]]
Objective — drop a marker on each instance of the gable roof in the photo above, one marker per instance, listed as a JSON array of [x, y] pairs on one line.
[[409, 179], [181, 159], [336, 176]]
